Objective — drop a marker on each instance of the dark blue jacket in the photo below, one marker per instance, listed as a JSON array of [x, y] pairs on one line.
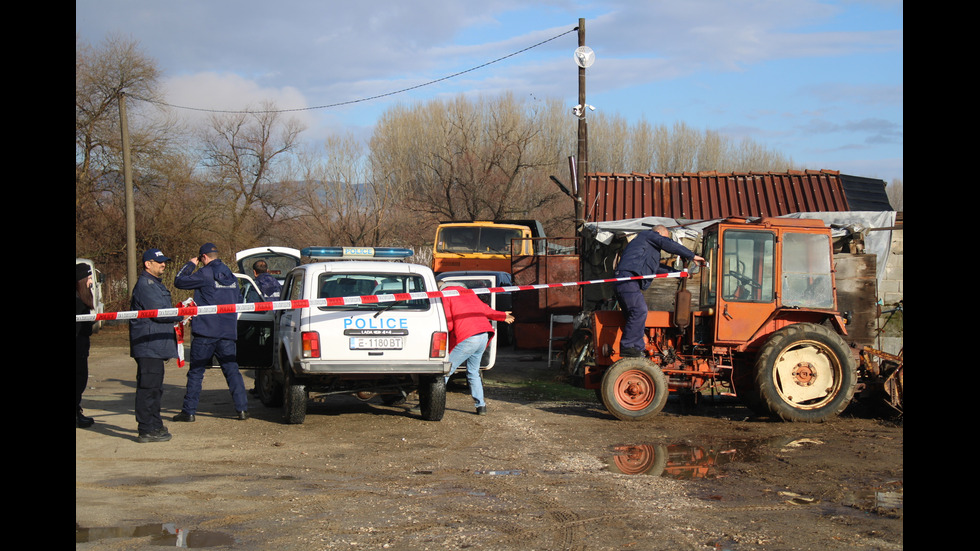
[[152, 337], [642, 256], [213, 284], [269, 286]]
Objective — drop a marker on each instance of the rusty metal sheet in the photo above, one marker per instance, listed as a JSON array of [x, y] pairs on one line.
[[535, 305], [558, 261], [710, 195]]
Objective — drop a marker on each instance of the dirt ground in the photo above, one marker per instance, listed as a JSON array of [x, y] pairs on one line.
[[547, 469]]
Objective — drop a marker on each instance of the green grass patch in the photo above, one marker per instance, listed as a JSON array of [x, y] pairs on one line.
[[544, 390]]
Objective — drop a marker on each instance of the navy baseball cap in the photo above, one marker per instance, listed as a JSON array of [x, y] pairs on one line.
[[82, 271], [155, 254], [208, 248]]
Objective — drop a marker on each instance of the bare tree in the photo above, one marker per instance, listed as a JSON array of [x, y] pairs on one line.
[[241, 155], [342, 204], [464, 159], [102, 74], [617, 146], [896, 194]]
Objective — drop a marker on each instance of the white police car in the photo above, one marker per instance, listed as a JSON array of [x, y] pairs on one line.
[[357, 346]]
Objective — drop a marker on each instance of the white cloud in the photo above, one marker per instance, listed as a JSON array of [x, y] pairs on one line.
[[208, 93]]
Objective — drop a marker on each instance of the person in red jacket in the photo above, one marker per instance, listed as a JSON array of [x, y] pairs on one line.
[[468, 320]]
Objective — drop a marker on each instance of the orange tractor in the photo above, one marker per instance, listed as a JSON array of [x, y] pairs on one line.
[[765, 327]]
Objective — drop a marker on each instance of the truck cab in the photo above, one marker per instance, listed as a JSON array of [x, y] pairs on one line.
[[481, 245]]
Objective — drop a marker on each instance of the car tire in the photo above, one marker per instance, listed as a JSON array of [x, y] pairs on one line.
[[432, 397]]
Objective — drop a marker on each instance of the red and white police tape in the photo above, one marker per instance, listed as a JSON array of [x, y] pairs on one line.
[[343, 301]]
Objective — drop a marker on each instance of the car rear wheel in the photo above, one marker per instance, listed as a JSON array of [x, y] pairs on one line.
[[432, 397]]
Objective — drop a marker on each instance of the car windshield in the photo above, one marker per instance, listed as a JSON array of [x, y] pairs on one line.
[[334, 285], [476, 239]]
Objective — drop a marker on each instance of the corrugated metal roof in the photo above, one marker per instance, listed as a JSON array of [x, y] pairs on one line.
[[710, 195], [865, 193]]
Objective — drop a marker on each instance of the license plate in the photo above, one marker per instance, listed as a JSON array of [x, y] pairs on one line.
[[377, 343]]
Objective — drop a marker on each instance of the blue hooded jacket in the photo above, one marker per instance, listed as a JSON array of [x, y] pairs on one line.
[[642, 256], [213, 284], [269, 286]]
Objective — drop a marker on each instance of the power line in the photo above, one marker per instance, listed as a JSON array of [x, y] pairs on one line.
[[349, 102]]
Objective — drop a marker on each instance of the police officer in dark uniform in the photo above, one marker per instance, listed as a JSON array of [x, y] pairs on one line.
[[84, 303], [152, 341], [642, 257], [267, 283], [214, 335]]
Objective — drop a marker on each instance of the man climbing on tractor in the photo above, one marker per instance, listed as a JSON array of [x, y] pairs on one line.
[[642, 257]]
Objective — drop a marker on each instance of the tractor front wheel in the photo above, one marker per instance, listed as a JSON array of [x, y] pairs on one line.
[[634, 389]]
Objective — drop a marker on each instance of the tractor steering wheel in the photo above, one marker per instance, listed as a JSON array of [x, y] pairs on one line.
[[745, 280]]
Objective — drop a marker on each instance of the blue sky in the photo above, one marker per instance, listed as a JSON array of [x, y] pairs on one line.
[[820, 81]]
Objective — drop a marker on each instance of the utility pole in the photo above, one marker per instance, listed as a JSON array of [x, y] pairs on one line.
[[130, 203], [583, 58]]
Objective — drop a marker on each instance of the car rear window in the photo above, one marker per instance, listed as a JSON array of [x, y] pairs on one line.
[[334, 285]]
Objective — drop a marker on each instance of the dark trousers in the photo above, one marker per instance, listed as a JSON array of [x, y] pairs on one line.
[[149, 394], [225, 351], [634, 307], [81, 370]]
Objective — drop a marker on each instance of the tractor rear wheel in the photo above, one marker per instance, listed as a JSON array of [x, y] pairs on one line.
[[634, 389], [805, 373]]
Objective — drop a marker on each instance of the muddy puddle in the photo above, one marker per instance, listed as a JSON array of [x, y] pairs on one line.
[[166, 534], [685, 461]]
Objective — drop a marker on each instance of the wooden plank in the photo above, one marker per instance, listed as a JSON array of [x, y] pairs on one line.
[[857, 293]]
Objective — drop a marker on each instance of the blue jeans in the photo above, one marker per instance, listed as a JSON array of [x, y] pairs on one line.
[[471, 351], [225, 350]]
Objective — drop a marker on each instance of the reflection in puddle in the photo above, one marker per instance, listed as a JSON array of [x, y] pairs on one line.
[[679, 461], [876, 500], [688, 462], [160, 534], [889, 500]]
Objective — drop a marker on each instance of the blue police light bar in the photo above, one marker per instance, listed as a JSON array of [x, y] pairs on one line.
[[357, 252]]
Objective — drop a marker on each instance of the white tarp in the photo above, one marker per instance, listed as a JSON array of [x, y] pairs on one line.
[[841, 224]]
